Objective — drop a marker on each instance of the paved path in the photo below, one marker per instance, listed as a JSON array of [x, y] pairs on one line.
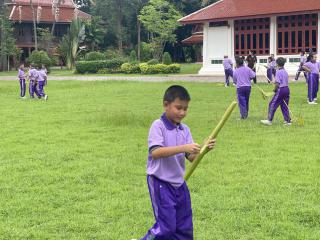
[[182, 78]]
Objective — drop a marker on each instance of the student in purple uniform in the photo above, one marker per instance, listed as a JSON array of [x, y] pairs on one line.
[[44, 69], [312, 68], [274, 65], [282, 95], [42, 78], [303, 60], [242, 77], [22, 80], [228, 71], [270, 69], [170, 142], [33, 77]]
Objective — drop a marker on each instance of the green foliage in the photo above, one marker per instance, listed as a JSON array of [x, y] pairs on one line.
[[94, 32], [133, 56], [44, 39], [112, 53], [159, 68], [153, 62], [94, 56], [130, 68], [113, 65], [37, 58], [166, 59], [160, 18], [146, 51]]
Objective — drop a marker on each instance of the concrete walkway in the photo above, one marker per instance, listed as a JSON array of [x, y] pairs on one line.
[[178, 78]]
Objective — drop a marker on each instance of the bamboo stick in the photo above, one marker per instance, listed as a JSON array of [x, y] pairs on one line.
[[213, 135]]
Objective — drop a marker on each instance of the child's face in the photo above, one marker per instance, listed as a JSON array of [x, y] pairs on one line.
[[176, 110]]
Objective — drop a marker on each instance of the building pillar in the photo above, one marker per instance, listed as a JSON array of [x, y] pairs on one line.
[[205, 44], [231, 39], [273, 35]]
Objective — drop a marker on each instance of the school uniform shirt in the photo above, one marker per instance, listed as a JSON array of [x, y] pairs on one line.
[[282, 78], [33, 74], [21, 74], [164, 133], [314, 67], [242, 76], [227, 63], [303, 60], [42, 75]]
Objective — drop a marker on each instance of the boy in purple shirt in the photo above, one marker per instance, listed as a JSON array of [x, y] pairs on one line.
[[303, 60], [33, 78], [242, 77], [228, 72], [312, 68], [282, 95], [270, 68], [170, 142], [22, 80], [42, 78]]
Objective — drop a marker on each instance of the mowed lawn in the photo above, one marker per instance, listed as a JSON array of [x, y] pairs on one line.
[[74, 167]]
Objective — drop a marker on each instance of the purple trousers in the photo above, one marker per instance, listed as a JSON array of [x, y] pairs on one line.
[[22, 87], [281, 98], [228, 73], [298, 74], [270, 73], [33, 89], [313, 86], [243, 94], [41, 89], [172, 211]]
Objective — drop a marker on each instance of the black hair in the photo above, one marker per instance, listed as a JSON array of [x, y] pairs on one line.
[[239, 61], [280, 61], [174, 92]]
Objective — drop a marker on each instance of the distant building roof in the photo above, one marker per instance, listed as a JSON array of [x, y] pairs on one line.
[[231, 9], [21, 11]]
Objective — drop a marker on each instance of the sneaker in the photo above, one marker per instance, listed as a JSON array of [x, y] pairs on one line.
[[312, 103], [226, 85], [266, 122], [46, 97], [234, 84], [287, 123], [316, 99]]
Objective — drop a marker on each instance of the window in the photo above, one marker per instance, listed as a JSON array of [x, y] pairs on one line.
[[296, 33], [216, 61], [218, 24], [252, 34]]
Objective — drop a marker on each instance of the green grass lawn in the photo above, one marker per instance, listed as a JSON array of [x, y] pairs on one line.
[[74, 167], [186, 68]]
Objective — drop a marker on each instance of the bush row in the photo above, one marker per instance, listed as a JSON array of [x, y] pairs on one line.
[[113, 65]]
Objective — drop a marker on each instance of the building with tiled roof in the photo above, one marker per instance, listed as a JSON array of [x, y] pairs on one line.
[[233, 27], [21, 16]]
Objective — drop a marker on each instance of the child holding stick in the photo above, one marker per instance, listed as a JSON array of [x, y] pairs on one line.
[[170, 142], [282, 95], [242, 77], [228, 72]]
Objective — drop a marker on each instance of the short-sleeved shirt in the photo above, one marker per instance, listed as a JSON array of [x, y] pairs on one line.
[[42, 76], [21, 74], [282, 78], [227, 63], [272, 64], [242, 76], [314, 67], [303, 60], [164, 133], [251, 60], [33, 74]]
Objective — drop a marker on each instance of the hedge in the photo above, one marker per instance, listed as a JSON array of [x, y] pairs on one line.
[[112, 65]]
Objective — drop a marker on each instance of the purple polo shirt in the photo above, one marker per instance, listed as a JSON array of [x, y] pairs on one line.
[[242, 76], [33, 74], [272, 64], [282, 78], [21, 74], [42, 76], [314, 67], [164, 133], [303, 60], [227, 63]]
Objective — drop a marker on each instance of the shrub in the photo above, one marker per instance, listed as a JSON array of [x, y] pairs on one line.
[[166, 59], [174, 68], [95, 56], [146, 51], [153, 62], [159, 68], [113, 66], [130, 68], [133, 56], [37, 58]]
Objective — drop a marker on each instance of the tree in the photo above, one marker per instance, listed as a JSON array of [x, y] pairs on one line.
[[161, 20], [94, 33], [69, 45], [34, 25]]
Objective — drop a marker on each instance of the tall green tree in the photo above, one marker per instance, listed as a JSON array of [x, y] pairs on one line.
[[94, 33], [160, 18]]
